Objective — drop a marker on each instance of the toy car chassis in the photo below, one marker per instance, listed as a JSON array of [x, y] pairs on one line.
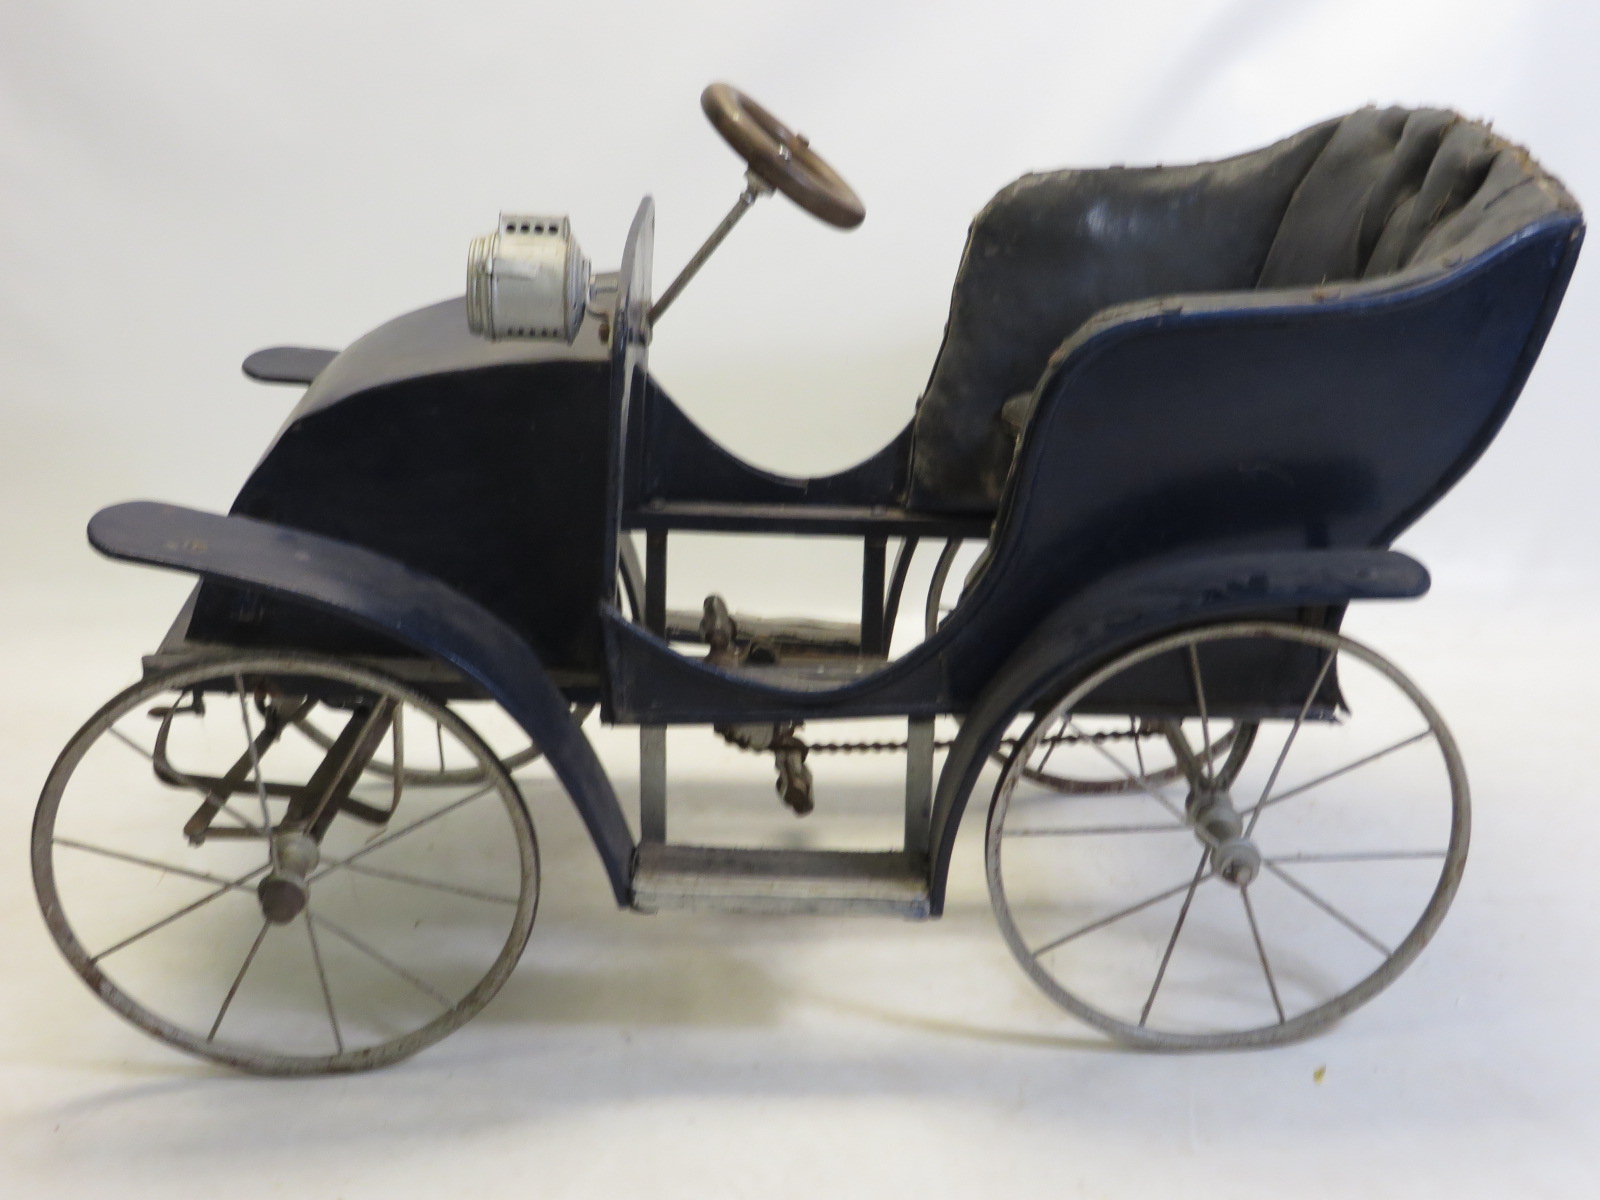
[[1218, 821]]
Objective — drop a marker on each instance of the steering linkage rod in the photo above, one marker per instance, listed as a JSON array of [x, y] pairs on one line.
[[755, 188]]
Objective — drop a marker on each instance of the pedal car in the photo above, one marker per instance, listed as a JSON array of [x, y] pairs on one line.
[[1185, 410]]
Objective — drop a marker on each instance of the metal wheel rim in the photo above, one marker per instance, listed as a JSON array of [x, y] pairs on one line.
[[1229, 745], [1317, 1017], [247, 1058]]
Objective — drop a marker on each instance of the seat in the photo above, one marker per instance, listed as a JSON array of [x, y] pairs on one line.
[[1377, 199]]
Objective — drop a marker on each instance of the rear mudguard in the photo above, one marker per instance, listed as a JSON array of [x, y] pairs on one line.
[[407, 605], [1135, 607]]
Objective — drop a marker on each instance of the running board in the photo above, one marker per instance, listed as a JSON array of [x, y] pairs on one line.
[[723, 879]]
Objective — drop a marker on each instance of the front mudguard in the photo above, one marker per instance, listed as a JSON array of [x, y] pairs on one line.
[[1135, 607], [382, 594]]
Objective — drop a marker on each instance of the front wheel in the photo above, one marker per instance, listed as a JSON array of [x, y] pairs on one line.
[[250, 895], [1209, 912]]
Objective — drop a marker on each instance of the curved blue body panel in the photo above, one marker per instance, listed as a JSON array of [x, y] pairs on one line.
[[479, 463], [1193, 427], [357, 585]]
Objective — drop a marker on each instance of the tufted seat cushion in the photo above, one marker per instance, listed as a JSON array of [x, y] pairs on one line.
[[1376, 193]]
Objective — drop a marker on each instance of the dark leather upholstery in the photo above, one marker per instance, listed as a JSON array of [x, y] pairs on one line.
[[1378, 193]]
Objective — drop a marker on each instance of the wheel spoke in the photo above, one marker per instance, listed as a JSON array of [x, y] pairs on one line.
[[340, 932], [1116, 916], [322, 978], [255, 766], [329, 868], [1328, 908], [416, 881], [1136, 780], [231, 885], [1200, 699], [1348, 856], [152, 863], [1294, 731], [1261, 952], [1129, 780], [238, 979], [1200, 873], [130, 743], [1051, 743], [149, 756], [1344, 770], [1094, 830]]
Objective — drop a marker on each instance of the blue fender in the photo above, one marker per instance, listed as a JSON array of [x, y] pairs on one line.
[[1134, 607], [407, 605]]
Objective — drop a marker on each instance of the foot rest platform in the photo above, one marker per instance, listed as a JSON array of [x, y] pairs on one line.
[[726, 879]]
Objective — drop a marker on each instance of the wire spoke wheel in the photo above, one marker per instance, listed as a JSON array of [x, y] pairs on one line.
[[252, 897], [1241, 904]]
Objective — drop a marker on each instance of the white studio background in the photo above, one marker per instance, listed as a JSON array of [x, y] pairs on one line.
[[182, 182]]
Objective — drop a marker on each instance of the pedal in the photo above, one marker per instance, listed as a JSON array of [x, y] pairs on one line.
[[794, 784], [794, 777]]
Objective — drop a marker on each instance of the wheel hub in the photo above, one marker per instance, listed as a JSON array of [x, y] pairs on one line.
[[1237, 861], [1217, 824], [284, 892]]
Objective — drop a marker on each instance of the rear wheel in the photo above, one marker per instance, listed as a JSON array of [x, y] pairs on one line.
[[1213, 912], [253, 896]]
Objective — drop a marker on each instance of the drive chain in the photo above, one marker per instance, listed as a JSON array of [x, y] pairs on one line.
[[1059, 739]]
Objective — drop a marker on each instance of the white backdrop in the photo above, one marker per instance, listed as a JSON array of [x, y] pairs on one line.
[[183, 181]]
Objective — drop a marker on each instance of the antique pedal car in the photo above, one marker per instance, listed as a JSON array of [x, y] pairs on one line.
[[1184, 410]]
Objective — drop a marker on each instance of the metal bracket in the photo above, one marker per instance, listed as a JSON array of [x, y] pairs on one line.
[[919, 784], [652, 783]]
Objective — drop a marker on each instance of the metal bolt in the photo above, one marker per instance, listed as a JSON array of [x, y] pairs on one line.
[[1237, 861]]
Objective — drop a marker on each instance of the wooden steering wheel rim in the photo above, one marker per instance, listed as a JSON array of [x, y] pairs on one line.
[[781, 157]]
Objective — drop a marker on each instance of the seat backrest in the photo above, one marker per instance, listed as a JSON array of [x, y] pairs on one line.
[[1366, 195], [1394, 188]]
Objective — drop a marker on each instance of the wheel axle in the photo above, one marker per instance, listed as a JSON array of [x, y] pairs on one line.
[[283, 893], [1218, 824]]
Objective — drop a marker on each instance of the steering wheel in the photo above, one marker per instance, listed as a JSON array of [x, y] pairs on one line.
[[781, 157]]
